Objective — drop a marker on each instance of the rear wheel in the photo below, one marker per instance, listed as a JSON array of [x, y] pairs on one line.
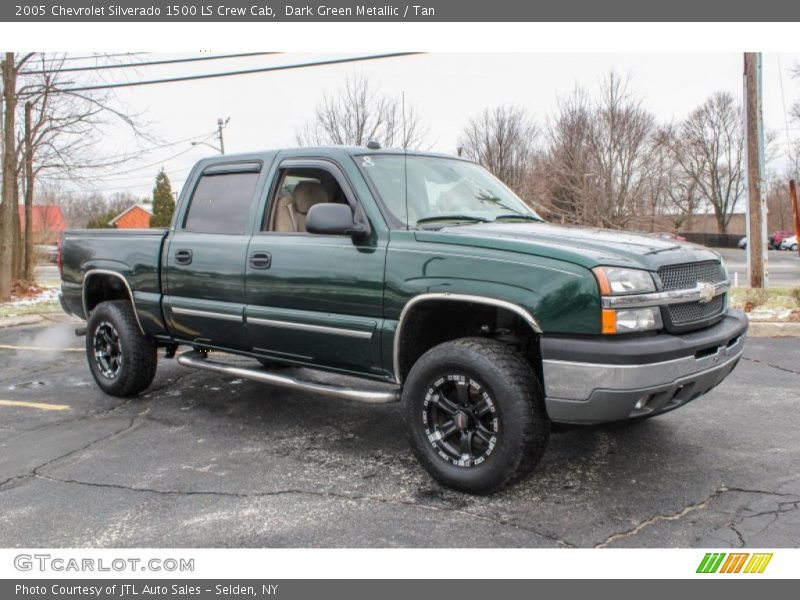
[[122, 360], [475, 415]]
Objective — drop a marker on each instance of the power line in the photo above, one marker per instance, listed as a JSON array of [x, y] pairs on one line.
[[320, 63], [147, 63], [143, 151], [97, 55]]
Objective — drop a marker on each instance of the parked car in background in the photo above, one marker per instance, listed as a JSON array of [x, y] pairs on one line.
[[776, 239], [789, 243], [770, 243]]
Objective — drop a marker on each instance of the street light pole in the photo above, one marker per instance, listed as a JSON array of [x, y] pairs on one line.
[[221, 125]]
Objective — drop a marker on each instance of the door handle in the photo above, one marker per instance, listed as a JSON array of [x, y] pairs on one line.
[[261, 260], [183, 257]]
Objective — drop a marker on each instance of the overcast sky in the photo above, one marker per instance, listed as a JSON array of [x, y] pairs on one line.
[[266, 109]]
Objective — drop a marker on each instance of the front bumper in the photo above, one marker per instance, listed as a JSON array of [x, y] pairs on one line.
[[611, 379]]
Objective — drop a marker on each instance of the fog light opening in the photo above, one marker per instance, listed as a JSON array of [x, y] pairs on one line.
[[642, 402]]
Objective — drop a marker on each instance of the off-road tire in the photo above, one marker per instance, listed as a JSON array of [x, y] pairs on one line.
[[522, 430], [137, 366]]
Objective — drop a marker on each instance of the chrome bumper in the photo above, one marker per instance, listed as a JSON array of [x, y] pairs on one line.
[[594, 392]]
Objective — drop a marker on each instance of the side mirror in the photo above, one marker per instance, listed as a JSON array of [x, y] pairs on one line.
[[334, 219]]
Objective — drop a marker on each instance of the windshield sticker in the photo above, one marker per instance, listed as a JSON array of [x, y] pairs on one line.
[[366, 161]]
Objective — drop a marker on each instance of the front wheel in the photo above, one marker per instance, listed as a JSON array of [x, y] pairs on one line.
[[122, 360], [475, 415]]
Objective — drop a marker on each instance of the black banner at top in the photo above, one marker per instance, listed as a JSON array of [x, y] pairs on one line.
[[389, 10]]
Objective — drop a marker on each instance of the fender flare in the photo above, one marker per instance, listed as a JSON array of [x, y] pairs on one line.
[[505, 304], [91, 273]]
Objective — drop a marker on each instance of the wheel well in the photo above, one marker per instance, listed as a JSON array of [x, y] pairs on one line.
[[433, 322], [102, 287]]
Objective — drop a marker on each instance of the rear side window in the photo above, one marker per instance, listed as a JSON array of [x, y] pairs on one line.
[[221, 203]]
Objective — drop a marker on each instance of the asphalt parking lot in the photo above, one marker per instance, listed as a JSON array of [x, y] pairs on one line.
[[783, 266], [208, 461]]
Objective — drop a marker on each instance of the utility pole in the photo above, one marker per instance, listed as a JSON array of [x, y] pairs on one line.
[[756, 207], [220, 126], [27, 262], [795, 210]]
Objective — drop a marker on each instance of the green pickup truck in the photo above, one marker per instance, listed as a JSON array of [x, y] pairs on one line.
[[416, 277]]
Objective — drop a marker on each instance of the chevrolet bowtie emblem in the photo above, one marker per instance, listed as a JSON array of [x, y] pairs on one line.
[[707, 292]]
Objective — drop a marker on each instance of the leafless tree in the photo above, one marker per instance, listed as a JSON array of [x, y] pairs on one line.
[[713, 154], [358, 113], [563, 176], [596, 170], [504, 140], [54, 137], [619, 143], [674, 193]]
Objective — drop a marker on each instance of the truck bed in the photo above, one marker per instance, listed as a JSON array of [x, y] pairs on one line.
[[132, 254]]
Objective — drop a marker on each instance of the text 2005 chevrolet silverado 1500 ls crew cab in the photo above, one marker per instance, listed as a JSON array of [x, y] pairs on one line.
[[421, 272]]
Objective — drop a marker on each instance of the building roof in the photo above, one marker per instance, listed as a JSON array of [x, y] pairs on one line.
[[145, 207]]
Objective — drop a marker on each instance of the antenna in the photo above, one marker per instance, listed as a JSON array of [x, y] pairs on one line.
[[405, 157]]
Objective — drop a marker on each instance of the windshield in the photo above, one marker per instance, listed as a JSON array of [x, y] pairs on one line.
[[440, 190]]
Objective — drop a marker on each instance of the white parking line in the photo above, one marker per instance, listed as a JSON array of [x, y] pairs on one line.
[[39, 348]]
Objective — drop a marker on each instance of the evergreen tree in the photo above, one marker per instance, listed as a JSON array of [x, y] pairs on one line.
[[163, 202]]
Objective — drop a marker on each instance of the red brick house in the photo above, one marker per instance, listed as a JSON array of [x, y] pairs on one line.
[[135, 217], [47, 222]]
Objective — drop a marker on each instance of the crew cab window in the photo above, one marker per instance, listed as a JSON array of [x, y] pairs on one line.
[[221, 203], [297, 191]]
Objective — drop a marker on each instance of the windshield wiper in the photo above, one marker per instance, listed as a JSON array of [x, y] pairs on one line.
[[522, 216], [469, 218]]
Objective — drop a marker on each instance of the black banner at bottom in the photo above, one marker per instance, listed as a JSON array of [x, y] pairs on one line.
[[333, 589]]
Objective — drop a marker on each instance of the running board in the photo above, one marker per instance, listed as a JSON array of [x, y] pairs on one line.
[[199, 360]]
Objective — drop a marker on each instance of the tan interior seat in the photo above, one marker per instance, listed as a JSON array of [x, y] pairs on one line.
[[292, 209]]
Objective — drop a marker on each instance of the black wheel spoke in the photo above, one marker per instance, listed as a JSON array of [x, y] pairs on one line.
[[444, 404], [462, 388], [482, 408], [447, 429], [483, 434], [466, 443]]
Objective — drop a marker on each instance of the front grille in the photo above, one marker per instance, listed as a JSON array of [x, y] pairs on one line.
[[681, 277], [687, 313], [686, 276]]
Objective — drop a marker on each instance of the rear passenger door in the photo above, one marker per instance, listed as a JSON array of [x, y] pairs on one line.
[[204, 263]]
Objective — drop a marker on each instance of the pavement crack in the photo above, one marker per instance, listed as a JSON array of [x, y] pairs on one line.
[[661, 517], [723, 489], [312, 493], [769, 364], [36, 471]]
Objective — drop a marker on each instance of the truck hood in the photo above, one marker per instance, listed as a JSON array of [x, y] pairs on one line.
[[588, 247]]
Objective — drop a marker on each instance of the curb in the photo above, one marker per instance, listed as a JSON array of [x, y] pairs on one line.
[[25, 320], [773, 329]]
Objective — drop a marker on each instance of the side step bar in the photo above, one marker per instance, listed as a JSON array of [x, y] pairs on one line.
[[199, 360]]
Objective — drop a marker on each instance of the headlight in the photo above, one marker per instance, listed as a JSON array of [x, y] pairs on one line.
[[618, 281], [629, 320], [615, 281]]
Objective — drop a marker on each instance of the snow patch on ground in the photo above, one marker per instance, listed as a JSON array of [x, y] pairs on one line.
[[47, 295]]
